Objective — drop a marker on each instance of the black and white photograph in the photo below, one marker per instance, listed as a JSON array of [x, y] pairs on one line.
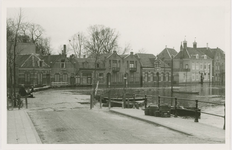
[[115, 74]]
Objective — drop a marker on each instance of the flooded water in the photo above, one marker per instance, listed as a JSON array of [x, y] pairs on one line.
[[207, 93]]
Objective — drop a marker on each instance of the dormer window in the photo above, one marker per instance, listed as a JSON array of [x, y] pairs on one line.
[[205, 57], [62, 65], [40, 63]]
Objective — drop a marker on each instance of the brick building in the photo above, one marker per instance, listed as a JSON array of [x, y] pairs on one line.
[[191, 65], [32, 70], [218, 63], [167, 54]]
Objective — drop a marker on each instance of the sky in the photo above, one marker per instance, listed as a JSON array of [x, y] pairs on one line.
[[147, 25]]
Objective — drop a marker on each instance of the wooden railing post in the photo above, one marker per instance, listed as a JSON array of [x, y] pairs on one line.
[[26, 101], [196, 112], [175, 107], [100, 101], [123, 100], [109, 99], [91, 101], [224, 127], [145, 101], [134, 101]]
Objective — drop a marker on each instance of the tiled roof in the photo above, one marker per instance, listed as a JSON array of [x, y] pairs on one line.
[[20, 59], [162, 63], [171, 51], [146, 59], [189, 52], [29, 61], [210, 51], [51, 59]]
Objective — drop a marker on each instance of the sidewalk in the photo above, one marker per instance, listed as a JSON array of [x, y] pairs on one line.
[[20, 129], [184, 126]]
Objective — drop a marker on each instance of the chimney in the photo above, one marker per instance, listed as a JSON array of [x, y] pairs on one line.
[[207, 46], [195, 44], [131, 53], [64, 51]]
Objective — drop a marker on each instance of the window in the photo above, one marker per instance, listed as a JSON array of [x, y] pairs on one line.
[[98, 65], [205, 57], [186, 66], [40, 77], [114, 63], [40, 63], [168, 77], [152, 76], [193, 77], [148, 77], [27, 77], [145, 76], [57, 77], [193, 66], [65, 78], [201, 66], [197, 56], [62, 64], [205, 66], [132, 65]]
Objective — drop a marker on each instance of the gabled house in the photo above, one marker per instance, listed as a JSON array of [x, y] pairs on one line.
[[166, 55], [63, 69], [114, 69], [191, 65], [162, 73], [32, 70], [218, 63], [132, 68], [85, 71], [154, 71]]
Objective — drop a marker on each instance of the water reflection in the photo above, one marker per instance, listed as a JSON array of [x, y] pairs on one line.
[[207, 93]]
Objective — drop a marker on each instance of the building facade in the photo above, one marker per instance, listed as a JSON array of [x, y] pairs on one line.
[[154, 72], [191, 65]]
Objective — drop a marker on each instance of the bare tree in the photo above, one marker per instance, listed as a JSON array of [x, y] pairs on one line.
[[141, 50], [100, 40], [13, 32], [35, 31], [76, 44], [43, 46], [126, 49]]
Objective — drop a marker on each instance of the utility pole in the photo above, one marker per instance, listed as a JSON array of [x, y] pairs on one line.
[[171, 79], [172, 76]]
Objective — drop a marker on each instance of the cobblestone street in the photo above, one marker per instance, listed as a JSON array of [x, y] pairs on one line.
[[59, 118]]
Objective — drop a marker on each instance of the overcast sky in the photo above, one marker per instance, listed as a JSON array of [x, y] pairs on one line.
[[148, 25]]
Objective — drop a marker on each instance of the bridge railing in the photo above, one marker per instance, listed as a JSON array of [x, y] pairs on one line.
[[196, 107]]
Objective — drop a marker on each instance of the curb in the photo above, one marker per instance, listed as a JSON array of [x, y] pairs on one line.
[[152, 122], [33, 128]]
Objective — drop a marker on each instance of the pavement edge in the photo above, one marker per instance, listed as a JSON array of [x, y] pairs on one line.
[[33, 128]]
